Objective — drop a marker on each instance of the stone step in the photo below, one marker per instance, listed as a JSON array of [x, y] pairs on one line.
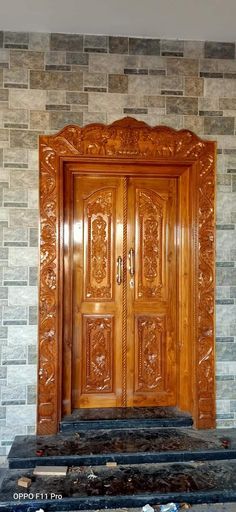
[[96, 447], [100, 487], [130, 417]]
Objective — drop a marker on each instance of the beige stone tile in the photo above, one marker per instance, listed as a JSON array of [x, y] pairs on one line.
[[33, 159], [39, 41], [39, 120], [23, 256], [148, 85], [102, 102], [184, 67], [26, 59], [4, 134], [118, 83], [194, 49], [27, 99], [219, 87], [153, 101], [66, 80], [195, 124], [227, 66], [106, 63], [193, 86]]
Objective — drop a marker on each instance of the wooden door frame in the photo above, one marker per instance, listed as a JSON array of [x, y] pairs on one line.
[[134, 145]]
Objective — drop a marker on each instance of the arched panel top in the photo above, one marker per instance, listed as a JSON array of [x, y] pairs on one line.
[[126, 138]]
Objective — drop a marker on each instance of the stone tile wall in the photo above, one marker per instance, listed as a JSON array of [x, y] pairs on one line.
[[49, 80]]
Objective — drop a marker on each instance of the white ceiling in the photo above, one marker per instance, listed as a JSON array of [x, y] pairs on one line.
[[213, 20]]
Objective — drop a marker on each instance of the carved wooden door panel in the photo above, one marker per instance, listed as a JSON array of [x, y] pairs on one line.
[[124, 292], [97, 301], [152, 291]]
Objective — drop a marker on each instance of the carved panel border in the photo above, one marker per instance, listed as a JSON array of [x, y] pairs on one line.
[[136, 141]]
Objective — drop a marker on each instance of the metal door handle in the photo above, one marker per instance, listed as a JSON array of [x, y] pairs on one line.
[[119, 270], [131, 262]]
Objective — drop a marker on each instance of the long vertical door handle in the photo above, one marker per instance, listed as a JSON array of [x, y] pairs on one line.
[[119, 270], [131, 262]]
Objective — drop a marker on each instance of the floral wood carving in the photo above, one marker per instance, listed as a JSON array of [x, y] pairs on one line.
[[98, 357], [150, 220], [150, 342], [134, 140], [98, 212]]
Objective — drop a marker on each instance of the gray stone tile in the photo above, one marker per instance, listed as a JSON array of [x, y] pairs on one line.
[[118, 83], [26, 59], [23, 217], [14, 313], [226, 276], [183, 67], [118, 44], [15, 75], [32, 354], [24, 139], [227, 103], [141, 46], [33, 276], [1, 39], [226, 351], [2, 413], [4, 95], [69, 81], [24, 179], [14, 355], [68, 42], [219, 125], [33, 315], [16, 39], [3, 254], [95, 42], [216, 50], [31, 394], [3, 293], [95, 80], [39, 41], [77, 98], [79, 59], [59, 119], [226, 389], [3, 333], [15, 273], [181, 105], [34, 237]]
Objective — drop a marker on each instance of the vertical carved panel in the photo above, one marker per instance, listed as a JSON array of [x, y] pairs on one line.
[[150, 212], [97, 354], [98, 215], [150, 334]]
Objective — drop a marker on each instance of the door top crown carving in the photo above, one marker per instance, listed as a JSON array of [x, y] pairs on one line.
[[127, 137]]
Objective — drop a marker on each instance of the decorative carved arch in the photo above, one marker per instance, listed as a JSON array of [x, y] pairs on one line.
[[133, 141]]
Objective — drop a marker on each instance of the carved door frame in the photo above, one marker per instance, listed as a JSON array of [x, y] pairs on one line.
[[133, 144]]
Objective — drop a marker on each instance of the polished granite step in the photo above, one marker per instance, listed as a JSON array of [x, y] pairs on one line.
[[129, 446], [87, 488], [129, 417]]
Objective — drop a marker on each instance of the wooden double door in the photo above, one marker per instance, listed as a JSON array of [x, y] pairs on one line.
[[124, 305]]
